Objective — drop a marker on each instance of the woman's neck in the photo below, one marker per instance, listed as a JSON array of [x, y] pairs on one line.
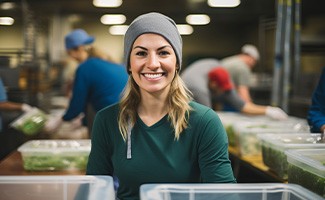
[[152, 108]]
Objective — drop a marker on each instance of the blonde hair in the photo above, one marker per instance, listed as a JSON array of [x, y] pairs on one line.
[[97, 53], [178, 105]]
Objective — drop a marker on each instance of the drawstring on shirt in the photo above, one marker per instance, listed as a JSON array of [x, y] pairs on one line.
[[129, 151]]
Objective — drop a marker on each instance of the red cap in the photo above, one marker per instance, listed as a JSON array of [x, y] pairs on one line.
[[220, 76]]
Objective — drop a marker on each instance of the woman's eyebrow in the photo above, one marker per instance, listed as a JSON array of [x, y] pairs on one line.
[[160, 48]]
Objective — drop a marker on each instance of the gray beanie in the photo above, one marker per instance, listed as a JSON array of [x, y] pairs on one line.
[[153, 23]]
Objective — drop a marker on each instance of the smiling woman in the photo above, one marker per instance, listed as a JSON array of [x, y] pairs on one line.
[[161, 136]]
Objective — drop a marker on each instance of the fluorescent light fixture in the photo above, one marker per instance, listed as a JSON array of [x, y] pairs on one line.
[[198, 19], [7, 6], [185, 29], [6, 21], [223, 3], [118, 29], [109, 19], [107, 3]]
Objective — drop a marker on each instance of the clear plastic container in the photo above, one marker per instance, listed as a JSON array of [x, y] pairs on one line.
[[56, 187], [44, 155], [275, 145], [248, 144], [307, 168], [239, 191], [229, 119], [31, 122]]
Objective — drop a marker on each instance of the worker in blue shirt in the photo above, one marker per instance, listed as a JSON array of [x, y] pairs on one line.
[[6, 105], [316, 113], [97, 81]]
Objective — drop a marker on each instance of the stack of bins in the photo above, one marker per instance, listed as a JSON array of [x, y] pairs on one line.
[[228, 119], [307, 168], [243, 191], [248, 144], [275, 145], [56, 187]]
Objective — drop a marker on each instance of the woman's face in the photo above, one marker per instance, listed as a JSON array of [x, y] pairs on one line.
[[78, 53], [152, 63]]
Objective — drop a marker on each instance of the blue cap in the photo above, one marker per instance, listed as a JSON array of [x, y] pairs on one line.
[[77, 38]]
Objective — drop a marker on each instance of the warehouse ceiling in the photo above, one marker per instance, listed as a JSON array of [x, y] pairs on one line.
[[246, 12]]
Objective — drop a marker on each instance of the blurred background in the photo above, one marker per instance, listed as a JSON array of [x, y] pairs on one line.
[[34, 65]]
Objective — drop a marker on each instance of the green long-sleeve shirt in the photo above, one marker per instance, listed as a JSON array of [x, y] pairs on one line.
[[200, 154]]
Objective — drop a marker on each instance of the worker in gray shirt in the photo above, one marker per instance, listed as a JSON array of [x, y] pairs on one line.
[[211, 84], [195, 77]]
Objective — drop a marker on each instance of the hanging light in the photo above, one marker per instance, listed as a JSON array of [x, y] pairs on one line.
[[6, 21], [118, 29], [109, 19], [198, 19], [185, 29], [223, 3], [107, 3]]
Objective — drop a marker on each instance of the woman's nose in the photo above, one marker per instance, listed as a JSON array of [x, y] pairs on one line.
[[153, 61]]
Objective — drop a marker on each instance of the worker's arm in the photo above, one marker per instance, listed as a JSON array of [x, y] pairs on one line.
[[243, 92], [272, 112]]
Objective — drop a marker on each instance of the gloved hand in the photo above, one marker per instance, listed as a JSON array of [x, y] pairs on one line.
[[275, 113], [25, 107], [53, 123]]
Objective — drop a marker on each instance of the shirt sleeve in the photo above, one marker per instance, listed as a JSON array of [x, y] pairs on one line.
[[214, 161], [232, 99], [3, 94], [78, 102], [316, 113]]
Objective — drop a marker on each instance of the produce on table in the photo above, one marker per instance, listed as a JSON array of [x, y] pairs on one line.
[[39, 155], [31, 122], [275, 145]]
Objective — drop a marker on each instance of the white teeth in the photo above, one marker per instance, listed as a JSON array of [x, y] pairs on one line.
[[152, 75]]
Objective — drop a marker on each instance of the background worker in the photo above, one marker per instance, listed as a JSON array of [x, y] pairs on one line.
[[316, 113], [97, 81], [209, 83], [239, 68], [6, 105], [222, 90]]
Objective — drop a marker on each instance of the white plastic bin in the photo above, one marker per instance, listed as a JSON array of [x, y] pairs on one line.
[[239, 191], [56, 188]]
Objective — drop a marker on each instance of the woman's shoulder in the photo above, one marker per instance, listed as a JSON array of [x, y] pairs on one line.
[[200, 110], [109, 111]]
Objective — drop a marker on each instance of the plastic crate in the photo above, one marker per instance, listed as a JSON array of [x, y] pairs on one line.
[[43, 155], [56, 187], [275, 145], [307, 168], [239, 191], [246, 133]]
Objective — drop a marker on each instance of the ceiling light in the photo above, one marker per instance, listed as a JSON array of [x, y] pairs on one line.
[[198, 19], [223, 3], [118, 29], [7, 5], [112, 19], [107, 3], [185, 29], [6, 21]]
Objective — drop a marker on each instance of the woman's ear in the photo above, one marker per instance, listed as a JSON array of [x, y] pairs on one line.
[[177, 67]]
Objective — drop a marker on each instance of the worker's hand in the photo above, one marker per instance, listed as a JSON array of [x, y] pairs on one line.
[[275, 113], [77, 122], [25, 107], [53, 123]]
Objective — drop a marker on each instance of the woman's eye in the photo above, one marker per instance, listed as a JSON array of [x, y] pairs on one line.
[[141, 53], [164, 53]]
